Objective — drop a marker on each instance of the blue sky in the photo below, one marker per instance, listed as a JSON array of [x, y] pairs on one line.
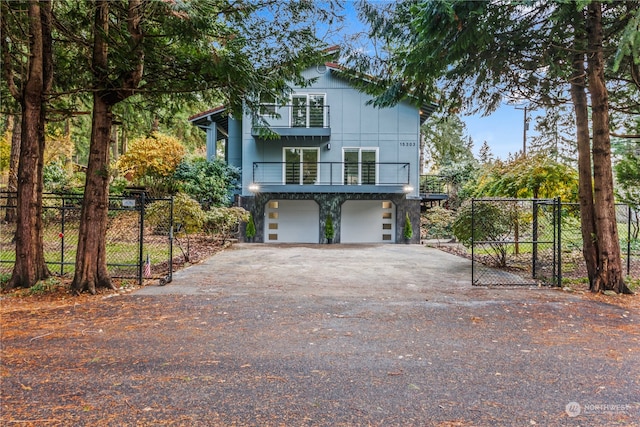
[[502, 130]]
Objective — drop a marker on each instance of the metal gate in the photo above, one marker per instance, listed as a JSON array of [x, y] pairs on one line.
[[135, 248], [516, 242]]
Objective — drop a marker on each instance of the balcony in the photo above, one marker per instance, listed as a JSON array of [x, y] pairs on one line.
[[434, 187], [318, 177], [306, 121]]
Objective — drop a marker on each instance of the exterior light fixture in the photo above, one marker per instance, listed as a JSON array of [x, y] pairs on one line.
[[328, 146], [254, 188], [408, 189]]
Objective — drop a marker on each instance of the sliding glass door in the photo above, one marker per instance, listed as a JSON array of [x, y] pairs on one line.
[[360, 166], [301, 165]]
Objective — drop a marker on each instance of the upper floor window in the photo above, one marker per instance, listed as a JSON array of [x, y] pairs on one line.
[[268, 104], [308, 110]]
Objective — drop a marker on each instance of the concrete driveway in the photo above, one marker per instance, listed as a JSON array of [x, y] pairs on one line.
[[375, 271]]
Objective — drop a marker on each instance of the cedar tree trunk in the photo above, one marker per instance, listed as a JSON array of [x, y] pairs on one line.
[[29, 266], [585, 187], [609, 275], [91, 261]]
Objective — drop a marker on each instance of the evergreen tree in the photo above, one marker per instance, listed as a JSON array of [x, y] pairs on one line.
[[476, 55], [28, 76]]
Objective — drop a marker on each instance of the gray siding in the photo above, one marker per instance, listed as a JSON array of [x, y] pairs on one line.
[[234, 144]]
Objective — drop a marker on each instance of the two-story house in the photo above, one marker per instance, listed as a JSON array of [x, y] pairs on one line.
[[333, 154]]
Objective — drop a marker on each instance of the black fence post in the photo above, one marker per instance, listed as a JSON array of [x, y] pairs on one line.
[[535, 238], [559, 242], [170, 275], [628, 240], [554, 250], [62, 231], [141, 238], [473, 230]]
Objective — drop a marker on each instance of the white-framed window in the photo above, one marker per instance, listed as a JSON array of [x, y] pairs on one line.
[[360, 166], [308, 110], [300, 165], [268, 105]]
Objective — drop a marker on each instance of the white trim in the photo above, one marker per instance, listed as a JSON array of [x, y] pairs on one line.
[[308, 109], [360, 150], [301, 180], [275, 105]]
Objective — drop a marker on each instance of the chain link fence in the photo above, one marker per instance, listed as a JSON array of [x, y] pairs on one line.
[[628, 221], [135, 249], [514, 241], [539, 241]]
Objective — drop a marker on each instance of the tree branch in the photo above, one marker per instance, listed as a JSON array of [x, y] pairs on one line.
[[626, 136], [6, 56]]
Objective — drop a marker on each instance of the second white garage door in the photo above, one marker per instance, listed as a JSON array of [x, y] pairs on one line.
[[292, 221], [368, 221]]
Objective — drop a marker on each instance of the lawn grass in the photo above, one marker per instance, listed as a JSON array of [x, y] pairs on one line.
[[121, 254]]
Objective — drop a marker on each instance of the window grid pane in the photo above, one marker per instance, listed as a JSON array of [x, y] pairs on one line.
[[316, 111]]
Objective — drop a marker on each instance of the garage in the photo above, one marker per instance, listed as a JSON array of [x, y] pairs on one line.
[[292, 221], [368, 221]]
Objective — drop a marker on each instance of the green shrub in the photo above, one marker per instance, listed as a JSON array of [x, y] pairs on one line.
[[224, 222], [118, 185], [4, 279], [439, 223], [328, 228], [407, 232], [55, 177], [44, 286], [250, 230], [211, 183], [188, 218], [187, 214], [488, 222]]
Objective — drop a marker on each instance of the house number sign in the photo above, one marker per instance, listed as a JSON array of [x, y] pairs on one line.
[[408, 144]]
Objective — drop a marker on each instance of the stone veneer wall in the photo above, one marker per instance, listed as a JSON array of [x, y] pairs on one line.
[[331, 204]]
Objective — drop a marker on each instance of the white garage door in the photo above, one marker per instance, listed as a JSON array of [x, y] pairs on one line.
[[368, 221], [292, 221]]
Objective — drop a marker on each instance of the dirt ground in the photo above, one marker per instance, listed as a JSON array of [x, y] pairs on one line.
[[381, 335]]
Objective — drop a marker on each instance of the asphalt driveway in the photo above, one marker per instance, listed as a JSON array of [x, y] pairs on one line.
[[382, 335]]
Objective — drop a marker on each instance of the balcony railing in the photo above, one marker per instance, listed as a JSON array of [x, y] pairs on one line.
[[434, 186], [331, 173], [293, 120]]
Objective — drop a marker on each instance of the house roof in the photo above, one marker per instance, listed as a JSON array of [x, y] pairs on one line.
[[215, 110], [217, 115]]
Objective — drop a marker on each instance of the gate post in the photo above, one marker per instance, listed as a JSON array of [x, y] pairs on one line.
[[62, 231], [141, 238], [628, 239], [535, 239], [473, 232], [559, 219], [170, 275]]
